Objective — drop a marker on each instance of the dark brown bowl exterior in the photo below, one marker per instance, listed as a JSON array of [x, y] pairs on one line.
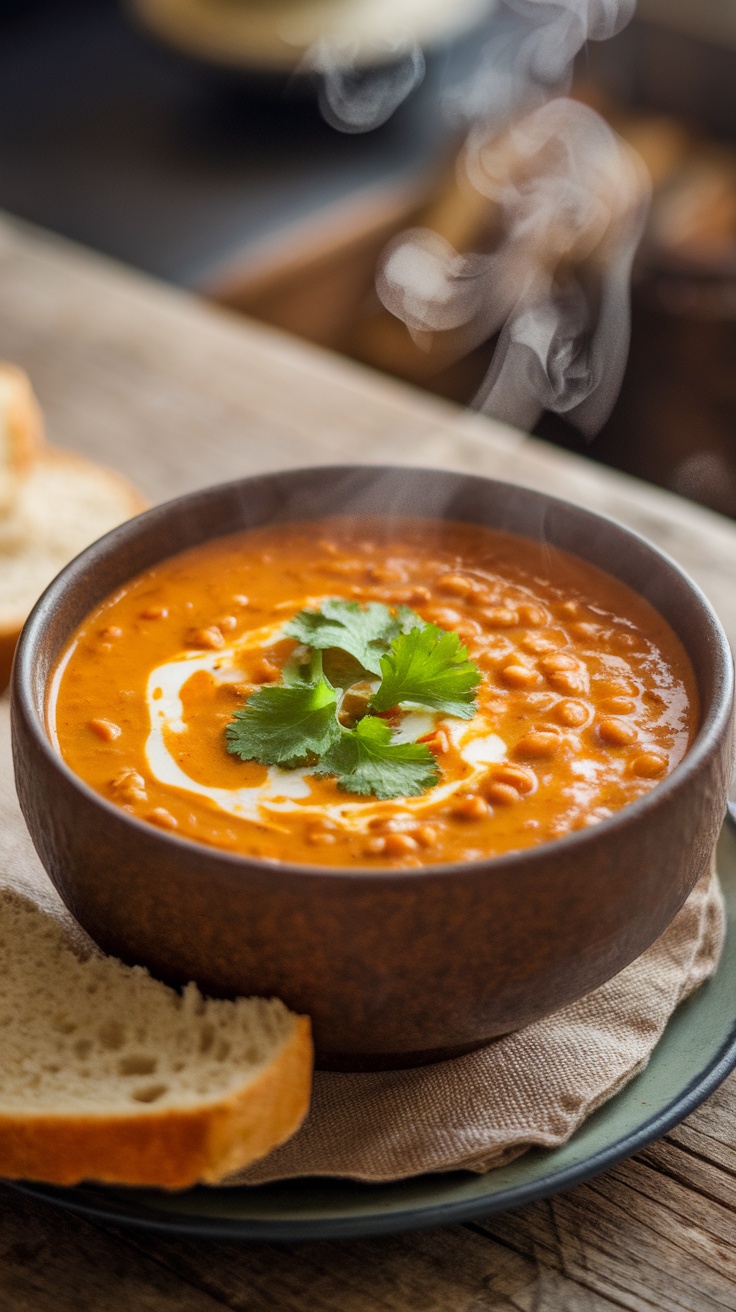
[[393, 967]]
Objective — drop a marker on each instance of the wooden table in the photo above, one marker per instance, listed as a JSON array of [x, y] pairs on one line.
[[176, 394]]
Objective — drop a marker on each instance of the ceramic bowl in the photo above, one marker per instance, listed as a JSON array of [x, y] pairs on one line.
[[394, 967]]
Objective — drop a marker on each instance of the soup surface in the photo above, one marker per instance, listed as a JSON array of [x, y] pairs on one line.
[[584, 697]]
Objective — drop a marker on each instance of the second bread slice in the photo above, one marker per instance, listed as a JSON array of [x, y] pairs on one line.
[[63, 503]]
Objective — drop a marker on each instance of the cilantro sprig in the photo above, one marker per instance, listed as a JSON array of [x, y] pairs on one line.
[[298, 722]]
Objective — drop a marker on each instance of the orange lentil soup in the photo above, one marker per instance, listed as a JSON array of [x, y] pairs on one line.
[[587, 698]]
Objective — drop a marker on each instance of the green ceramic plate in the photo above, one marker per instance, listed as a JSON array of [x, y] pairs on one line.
[[695, 1054]]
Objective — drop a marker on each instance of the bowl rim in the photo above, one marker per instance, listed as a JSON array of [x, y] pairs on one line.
[[23, 700]]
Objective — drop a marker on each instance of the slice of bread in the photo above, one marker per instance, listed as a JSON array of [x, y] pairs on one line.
[[61, 504], [106, 1074]]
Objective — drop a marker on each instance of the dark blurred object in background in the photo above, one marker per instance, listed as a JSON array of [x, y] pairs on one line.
[[177, 168], [241, 191]]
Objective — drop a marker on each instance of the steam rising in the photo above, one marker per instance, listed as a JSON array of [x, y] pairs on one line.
[[565, 193], [560, 202], [357, 99], [531, 55]]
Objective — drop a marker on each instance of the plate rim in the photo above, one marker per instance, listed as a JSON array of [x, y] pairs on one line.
[[406, 1219], [111, 1206]]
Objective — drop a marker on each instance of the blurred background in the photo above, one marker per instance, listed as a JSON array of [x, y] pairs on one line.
[[209, 142]]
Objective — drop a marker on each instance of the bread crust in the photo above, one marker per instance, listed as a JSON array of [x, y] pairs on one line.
[[8, 642], [169, 1149]]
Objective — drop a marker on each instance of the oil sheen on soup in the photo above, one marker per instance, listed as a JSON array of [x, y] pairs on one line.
[[582, 697]]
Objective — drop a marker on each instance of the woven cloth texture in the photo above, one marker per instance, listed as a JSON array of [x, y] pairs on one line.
[[531, 1088], [476, 1112]]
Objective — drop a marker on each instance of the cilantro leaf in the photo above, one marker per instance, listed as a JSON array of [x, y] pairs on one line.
[[428, 666], [366, 761], [363, 631], [406, 620], [341, 669], [283, 725]]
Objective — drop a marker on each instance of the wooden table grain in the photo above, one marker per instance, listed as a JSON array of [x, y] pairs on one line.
[[175, 394]]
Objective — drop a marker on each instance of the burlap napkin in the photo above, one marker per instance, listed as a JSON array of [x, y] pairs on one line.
[[531, 1088], [479, 1111]]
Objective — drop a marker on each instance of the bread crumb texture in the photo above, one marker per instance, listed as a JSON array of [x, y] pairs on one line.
[[108, 1074], [62, 505]]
